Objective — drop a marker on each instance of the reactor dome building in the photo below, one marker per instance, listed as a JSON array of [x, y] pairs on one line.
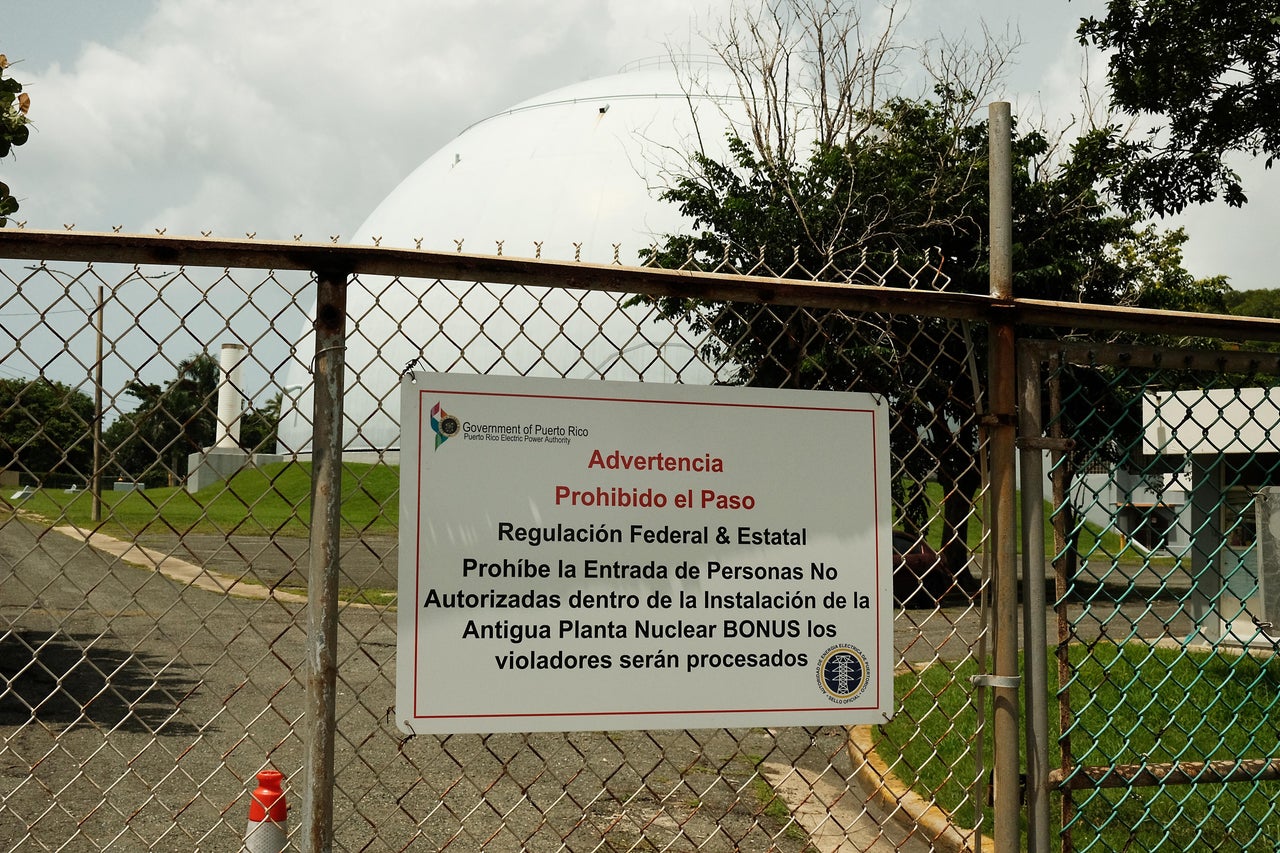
[[573, 174]]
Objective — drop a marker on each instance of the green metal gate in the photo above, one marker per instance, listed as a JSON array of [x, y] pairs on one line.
[[1159, 464]]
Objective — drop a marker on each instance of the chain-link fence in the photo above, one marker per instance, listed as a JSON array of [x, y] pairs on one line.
[[164, 633], [1162, 476], [156, 634]]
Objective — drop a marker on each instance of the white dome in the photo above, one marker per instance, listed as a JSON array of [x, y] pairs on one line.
[[575, 165], [566, 176]]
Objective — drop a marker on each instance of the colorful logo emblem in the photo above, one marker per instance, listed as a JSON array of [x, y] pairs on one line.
[[443, 424], [843, 673]]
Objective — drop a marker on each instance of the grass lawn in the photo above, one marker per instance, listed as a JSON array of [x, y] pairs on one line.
[[1133, 703], [276, 499], [272, 500]]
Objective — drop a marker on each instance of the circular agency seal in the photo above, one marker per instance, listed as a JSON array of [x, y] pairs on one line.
[[843, 673], [449, 426]]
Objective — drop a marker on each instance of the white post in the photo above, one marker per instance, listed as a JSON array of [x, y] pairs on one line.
[[230, 398]]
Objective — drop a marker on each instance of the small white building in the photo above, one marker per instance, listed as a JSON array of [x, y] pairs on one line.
[[1220, 450]]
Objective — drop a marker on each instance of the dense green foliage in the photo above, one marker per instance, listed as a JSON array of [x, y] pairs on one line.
[[913, 185], [1264, 302], [1161, 282], [1207, 72], [46, 431], [151, 443], [14, 130], [46, 428]]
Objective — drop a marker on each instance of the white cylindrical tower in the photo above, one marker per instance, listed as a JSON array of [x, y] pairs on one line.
[[230, 397]]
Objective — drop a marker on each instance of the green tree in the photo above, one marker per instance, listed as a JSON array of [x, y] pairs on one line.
[[14, 130], [259, 425], [1206, 72], [46, 431], [914, 186], [129, 455], [1263, 302], [829, 177], [151, 444], [1154, 260]]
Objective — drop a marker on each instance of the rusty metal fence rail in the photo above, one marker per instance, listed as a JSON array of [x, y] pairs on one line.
[[170, 630], [169, 627]]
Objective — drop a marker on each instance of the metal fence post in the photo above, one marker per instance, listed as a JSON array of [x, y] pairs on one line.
[[1058, 464], [1031, 461], [1003, 385], [95, 485], [322, 582]]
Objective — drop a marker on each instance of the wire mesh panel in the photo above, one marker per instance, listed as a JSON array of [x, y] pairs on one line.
[[154, 555], [145, 677], [1166, 658]]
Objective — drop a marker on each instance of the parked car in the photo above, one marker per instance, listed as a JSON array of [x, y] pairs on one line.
[[922, 579]]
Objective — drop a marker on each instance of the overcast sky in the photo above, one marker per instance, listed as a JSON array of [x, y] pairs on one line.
[[298, 116]]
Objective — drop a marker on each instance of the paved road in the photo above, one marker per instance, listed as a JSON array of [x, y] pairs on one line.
[[139, 708]]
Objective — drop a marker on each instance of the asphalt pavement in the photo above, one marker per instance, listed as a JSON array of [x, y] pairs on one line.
[[140, 704]]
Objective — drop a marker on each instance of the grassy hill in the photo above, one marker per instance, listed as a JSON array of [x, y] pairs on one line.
[[276, 500], [272, 500]]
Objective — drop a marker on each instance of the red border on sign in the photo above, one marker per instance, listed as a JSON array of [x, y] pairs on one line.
[[423, 392]]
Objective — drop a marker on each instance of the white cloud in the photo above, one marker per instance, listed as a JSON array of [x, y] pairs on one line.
[[1236, 241], [299, 116], [282, 118]]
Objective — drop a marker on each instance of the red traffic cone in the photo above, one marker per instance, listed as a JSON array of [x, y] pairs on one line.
[[268, 829]]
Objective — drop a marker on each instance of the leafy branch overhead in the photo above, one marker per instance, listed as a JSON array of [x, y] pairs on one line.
[[837, 172], [14, 130], [1204, 73]]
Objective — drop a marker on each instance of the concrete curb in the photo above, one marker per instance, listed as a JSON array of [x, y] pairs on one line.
[[176, 569], [903, 805], [831, 813]]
